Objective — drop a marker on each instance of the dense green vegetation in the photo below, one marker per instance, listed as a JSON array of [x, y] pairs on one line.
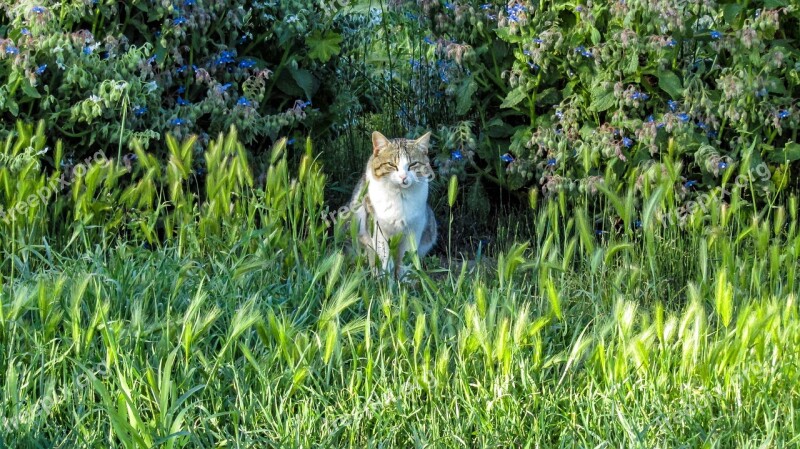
[[249, 326], [616, 191]]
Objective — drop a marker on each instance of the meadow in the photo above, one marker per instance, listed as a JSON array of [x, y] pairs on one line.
[[616, 191], [251, 327]]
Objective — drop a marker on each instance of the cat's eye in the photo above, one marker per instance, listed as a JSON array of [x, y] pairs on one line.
[[390, 165], [414, 164]]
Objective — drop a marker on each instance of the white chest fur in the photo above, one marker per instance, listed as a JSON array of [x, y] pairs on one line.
[[399, 210]]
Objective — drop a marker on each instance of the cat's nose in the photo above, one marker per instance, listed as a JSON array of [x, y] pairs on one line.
[[403, 177]]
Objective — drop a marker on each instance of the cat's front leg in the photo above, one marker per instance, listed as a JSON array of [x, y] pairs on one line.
[[408, 244], [382, 250]]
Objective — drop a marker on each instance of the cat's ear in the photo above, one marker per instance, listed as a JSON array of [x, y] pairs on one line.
[[424, 141], [379, 142]]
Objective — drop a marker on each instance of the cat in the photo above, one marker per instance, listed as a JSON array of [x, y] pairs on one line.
[[391, 199]]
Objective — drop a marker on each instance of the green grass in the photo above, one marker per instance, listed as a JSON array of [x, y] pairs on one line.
[[248, 326]]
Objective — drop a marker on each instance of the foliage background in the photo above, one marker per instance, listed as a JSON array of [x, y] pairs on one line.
[[165, 283]]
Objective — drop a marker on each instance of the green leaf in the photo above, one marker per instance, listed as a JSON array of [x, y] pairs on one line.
[[465, 94], [790, 153], [548, 97], [595, 36], [514, 97], [304, 80], [730, 12], [497, 128], [323, 46], [632, 64], [505, 35], [670, 83], [30, 91], [602, 99], [13, 107], [775, 86]]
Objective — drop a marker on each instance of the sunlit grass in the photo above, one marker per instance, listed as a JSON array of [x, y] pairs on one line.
[[249, 325]]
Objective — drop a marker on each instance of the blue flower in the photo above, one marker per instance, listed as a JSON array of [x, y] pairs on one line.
[[507, 158], [290, 141], [410, 16], [25, 32], [151, 59], [639, 96], [537, 40], [87, 50], [559, 114], [181, 69], [188, 2], [224, 87], [684, 117], [181, 89], [533, 66], [225, 57], [139, 111], [444, 78], [551, 162], [456, 155], [650, 118], [182, 102], [711, 134], [178, 21], [722, 165], [414, 63], [177, 122], [12, 50], [690, 183], [715, 34], [304, 104], [627, 142], [41, 69], [783, 114], [428, 40], [514, 11], [449, 6], [486, 6], [244, 102], [672, 42], [246, 63], [672, 105], [38, 10], [637, 224]]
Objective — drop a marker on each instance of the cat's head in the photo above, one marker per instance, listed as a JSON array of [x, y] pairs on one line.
[[401, 162]]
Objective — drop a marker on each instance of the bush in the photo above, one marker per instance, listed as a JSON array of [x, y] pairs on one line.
[[557, 97], [607, 88], [105, 72]]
